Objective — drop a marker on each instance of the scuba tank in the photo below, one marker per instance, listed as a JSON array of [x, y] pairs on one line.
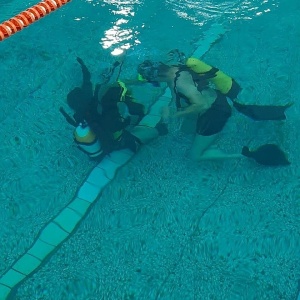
[[87, 141], [222, 82]]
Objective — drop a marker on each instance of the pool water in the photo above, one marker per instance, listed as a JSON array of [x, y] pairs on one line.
[[165, 228]]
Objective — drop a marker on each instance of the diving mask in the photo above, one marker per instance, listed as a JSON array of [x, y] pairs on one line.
[[149, 70]]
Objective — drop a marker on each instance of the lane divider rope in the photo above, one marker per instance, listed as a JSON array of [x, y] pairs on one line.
[[29, 16]]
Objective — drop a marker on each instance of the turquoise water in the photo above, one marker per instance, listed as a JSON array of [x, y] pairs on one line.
[[165, 228]]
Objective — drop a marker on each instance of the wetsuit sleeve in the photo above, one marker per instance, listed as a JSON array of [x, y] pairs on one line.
[[86, 87]]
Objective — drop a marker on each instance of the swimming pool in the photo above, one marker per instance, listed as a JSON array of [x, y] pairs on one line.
[[165, 228]]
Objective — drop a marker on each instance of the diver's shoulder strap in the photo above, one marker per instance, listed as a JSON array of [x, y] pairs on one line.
[[211, 73]]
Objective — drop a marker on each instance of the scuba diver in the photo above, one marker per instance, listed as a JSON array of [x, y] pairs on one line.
[[189, 84], [101, 116]]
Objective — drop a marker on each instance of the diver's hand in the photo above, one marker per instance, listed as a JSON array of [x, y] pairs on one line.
[[176, 56], [171, 55]]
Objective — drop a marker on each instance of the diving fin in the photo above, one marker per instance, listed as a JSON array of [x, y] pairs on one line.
[[268, 155], [262, 112]]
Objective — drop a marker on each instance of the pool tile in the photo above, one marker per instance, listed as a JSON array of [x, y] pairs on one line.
[[98, 178], [80, 206], [26, 264], [165, 99], [11, 278], [156, 108], [109, 167], [40, 249], [4, 292], [150, 121], [67, 219], [89, 192], [53, 234], [210, 37], [167, 94]]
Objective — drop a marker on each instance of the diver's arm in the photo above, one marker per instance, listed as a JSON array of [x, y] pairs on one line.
[[199, 103], [192, 109], [85, 72]]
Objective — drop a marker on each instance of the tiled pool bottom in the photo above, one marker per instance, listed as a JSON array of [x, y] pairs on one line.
[[127, 250], [166, 228]]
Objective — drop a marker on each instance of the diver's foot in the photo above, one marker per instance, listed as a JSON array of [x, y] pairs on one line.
[[162, 128]]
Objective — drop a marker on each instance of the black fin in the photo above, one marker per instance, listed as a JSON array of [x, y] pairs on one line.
[[262, 112], [269, 155]]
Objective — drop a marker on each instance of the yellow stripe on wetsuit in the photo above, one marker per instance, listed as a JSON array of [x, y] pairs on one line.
[[123, 86]]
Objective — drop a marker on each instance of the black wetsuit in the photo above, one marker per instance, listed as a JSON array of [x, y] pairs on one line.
[[84, 101], [215, 118]]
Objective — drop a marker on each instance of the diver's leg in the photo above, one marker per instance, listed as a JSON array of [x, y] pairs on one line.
[[145, 134], [217, 154], [137, 110], [189, 124], [201, 149], [208, 127], [200, 145]]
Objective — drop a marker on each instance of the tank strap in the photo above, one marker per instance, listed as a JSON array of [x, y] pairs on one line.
[[209, 74]]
